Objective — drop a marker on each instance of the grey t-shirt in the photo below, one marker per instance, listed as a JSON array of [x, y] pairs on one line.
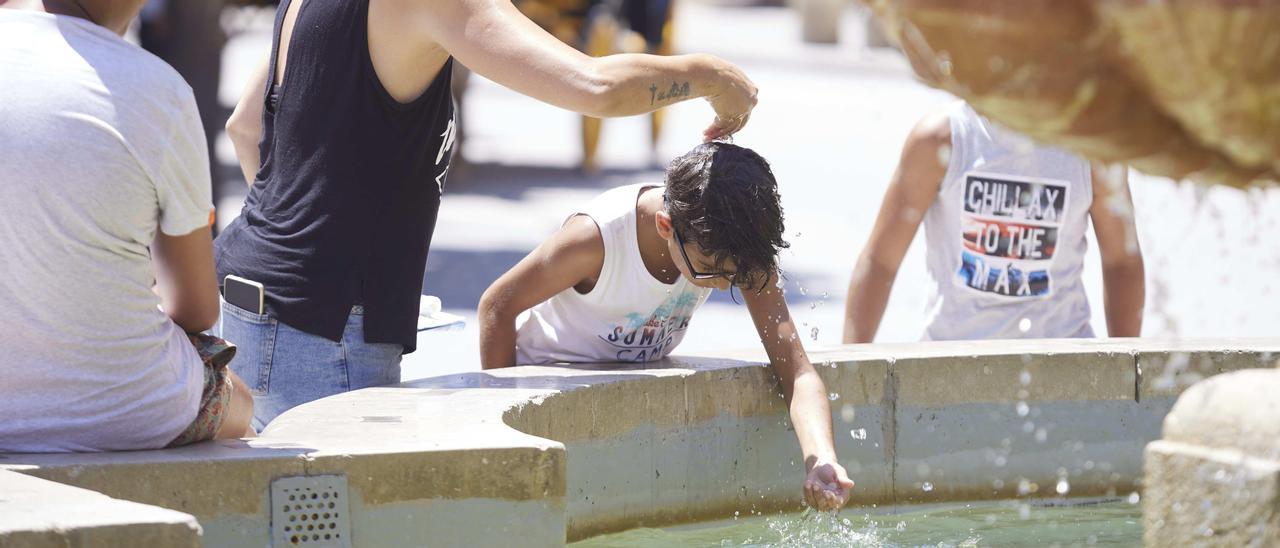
[[102, 146]]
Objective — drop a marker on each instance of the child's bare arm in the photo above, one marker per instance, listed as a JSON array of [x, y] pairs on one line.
[[827, 486], [572, 257], [911, 192], [1123, 272]]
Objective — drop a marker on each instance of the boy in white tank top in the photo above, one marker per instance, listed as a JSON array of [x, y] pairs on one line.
[[621, 279], [1005, 222]]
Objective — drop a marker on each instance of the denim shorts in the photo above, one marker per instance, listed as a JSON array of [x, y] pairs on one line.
[[285, 367]]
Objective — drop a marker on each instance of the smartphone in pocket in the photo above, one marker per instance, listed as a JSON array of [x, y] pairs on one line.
[[245, 294]]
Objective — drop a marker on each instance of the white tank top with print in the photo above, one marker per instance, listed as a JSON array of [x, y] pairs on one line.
[[629, 316], [1006, 237]]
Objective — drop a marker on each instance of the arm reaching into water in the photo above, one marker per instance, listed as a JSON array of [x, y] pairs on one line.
[[572, 257], [827, 486]]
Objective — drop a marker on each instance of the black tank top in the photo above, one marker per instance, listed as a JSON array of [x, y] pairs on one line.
[[344, 203]]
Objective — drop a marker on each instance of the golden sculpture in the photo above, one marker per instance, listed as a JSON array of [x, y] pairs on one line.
[[1179, 88]]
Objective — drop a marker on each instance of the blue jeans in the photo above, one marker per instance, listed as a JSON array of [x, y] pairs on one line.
[[285, 367]]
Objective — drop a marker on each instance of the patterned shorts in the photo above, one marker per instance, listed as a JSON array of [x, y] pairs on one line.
[[216, 354]]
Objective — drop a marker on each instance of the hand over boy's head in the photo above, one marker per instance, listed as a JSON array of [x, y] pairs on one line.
[[723, 199]]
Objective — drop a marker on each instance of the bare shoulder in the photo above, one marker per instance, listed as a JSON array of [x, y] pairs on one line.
[[933, 131], [926, 156]]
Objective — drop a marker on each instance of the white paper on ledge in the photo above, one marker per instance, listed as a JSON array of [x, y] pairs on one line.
[[431, 318]]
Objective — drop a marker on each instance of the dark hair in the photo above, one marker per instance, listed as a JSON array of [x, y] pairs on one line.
[[724, 199]]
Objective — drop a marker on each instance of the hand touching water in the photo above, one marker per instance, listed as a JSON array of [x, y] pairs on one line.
[[827, 486]]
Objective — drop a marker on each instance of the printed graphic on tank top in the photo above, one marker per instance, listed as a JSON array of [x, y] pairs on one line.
[[644, 338], [1009, 233]]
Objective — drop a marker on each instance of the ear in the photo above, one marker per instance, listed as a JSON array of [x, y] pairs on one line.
[[662, 222]]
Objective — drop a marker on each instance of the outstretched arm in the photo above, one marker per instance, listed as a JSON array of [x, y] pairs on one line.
[[911, 192], [492, 38], [827, 485], [572, 257], [1123, 272]]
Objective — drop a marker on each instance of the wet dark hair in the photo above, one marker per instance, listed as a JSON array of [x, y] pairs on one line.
[[723, 198]]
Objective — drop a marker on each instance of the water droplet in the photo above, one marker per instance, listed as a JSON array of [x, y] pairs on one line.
[[1134, 498], [1024, 325], [926, 487], [833, 396], [1024, 377], [847, 413], [1028, 427], [1000, 462], [1063, 487], [1024, 511], [813, 333], [1023, 408], [944, 63], [858, 433], [779, 284], [1024, 487], [1041, 435]]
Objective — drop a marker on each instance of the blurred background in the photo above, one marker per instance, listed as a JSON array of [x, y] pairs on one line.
[[836, 102]]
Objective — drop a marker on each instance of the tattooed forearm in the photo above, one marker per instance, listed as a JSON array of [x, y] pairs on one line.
[[676, 91]]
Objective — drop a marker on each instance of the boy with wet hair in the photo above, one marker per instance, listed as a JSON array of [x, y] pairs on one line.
[[621, 279]]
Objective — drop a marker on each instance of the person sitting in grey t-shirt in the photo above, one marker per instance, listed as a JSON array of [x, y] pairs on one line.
[[104, 192]]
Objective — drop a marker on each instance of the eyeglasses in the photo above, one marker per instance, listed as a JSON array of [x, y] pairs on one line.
[[693, 271]]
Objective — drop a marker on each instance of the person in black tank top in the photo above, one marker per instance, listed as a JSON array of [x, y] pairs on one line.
[[346, 167]]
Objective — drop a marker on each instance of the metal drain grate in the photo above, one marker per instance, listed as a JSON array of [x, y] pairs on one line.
[[310, 511]]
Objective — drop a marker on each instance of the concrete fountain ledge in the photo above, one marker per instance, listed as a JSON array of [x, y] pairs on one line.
[[543, 454]]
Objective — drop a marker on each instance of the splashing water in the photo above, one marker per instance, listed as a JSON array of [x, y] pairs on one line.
[[813, 333], [979, 524]]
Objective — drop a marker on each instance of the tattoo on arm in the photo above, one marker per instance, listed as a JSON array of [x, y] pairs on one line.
[[676, 91]]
